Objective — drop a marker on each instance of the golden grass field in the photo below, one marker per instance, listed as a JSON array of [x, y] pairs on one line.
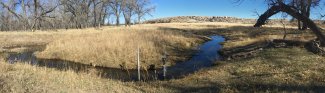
[[22, 78], [273, 70], [111, 48]]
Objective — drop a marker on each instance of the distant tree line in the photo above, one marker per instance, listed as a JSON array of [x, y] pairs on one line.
[[58, 14]]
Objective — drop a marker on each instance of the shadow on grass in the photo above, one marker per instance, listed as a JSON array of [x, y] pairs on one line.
[[64, 65], [235, 30], [279, 88], [248, 87], [186, 88], [231, 32]]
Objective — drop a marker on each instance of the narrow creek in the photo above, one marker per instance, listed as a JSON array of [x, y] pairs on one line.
[[205, 57]]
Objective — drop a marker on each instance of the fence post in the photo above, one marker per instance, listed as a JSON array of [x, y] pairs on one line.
[[139, 66], [164, 59]]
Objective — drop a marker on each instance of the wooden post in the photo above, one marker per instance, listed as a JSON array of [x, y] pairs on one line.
[[164, 70], [139, 74], [164, 59], [155, 71]]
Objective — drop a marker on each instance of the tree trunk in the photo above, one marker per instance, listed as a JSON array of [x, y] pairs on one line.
[[25, 22], [95, 15], [303, 12], [126, 20], [289, 10], [139, 20], [299, 25], [101, 14], [103, 19], [36, 25], [117, 20], [307, 13]]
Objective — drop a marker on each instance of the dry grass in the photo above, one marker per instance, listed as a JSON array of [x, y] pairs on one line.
[[112, 46], [23, 78], [273, 70], [118, 46], [241, 36], [10, 39], [250, 40]]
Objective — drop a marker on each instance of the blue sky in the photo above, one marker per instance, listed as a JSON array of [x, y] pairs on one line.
[[168, 8]]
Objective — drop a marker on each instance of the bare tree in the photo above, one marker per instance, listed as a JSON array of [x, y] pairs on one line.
[[302, 6], [116, 9], [79, 11], [128, 7], [11, 7], [53, 14], [103, 12], [96, 12], [142, 8], [25, 18], [41, 11], [294, 12]]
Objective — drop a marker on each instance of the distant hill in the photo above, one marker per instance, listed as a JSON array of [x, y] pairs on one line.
[[200, 19]]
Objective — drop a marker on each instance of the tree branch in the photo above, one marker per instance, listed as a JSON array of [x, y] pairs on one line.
[[294, 13]]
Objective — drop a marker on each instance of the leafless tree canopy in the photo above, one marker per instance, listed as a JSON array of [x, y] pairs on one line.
[[55, 14], [294, 11], [302, 6]]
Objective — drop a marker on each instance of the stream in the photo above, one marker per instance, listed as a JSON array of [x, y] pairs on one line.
[[205, 57]]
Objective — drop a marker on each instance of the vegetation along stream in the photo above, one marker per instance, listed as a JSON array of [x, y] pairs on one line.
[[205, 57]]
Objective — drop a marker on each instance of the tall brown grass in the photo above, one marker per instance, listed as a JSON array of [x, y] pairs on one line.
[[24, 78], [117, 46]]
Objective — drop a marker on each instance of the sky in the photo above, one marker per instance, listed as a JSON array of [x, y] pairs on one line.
[[169, 8]]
